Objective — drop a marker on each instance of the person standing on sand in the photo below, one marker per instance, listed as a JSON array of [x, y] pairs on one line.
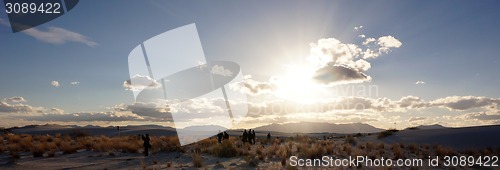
[[269, 136], [245, 136], [219, 137], [253, 137], [146, 144], [226, 136]]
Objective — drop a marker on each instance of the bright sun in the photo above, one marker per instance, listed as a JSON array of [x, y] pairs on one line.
[[297, 85]]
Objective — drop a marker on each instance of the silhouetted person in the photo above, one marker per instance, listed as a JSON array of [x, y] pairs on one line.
[[226, 136], [146, 144], [249, 136], [219, 137], [245, 136], [253, 137], [268, 136]]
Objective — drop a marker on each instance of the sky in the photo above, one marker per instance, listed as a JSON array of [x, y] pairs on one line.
[[386, 63]]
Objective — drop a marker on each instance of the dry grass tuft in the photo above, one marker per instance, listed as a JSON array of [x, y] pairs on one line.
[[197, 161], [397, 151], [225, 149], [38, 149], [386, 133]]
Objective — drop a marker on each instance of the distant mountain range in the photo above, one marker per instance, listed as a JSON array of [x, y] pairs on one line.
[[302, 127], [316, 127], [434, 126]]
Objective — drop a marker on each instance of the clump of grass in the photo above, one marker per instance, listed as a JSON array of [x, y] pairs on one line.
[[397, 151], [350, 140], [252, 161], [443, 151], [413, 148], [197, 161], [68, 148], [413, 128], [226, 149], [386, 133], [310, 151], [38, 150]]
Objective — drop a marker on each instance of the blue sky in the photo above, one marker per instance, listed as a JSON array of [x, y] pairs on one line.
[[449, 45]]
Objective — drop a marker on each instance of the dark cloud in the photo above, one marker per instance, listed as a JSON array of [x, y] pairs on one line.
[[413, 119], [465, 102], [339, 74]]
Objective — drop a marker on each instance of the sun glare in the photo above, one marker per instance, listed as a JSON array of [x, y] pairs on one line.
[[297, 85]]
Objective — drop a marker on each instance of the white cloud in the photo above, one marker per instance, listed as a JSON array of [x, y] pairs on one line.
[[252, 87], [220, 70], [358, 28], [15, 99], [56, 111], [56, 35], [338, 63], [388, 42], [368, 41], [139, 82], [420, 82], [17, 108], [55, 83], [74, 83], [361, 35]]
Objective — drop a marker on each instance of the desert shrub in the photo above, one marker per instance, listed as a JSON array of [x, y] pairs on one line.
[[38, 150], [381, 146], [26, 143], [413, 128], [225, 149], [311, 151], [129, 147], [13, 138], [78, 133], [369, 146], [197, 161], [272, 150], [350, 140], [397, 151], [413, 148], [68, 148], [386, 133], [252, 161], [51, 153], [443, 151], [347, 149]]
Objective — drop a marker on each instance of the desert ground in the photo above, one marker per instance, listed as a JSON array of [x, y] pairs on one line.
[[64, 148]]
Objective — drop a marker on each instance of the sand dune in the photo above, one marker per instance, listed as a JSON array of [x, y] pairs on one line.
[[459, 138]]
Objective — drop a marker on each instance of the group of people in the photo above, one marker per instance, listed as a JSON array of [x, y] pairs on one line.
[[248, 136], [222, 136]]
